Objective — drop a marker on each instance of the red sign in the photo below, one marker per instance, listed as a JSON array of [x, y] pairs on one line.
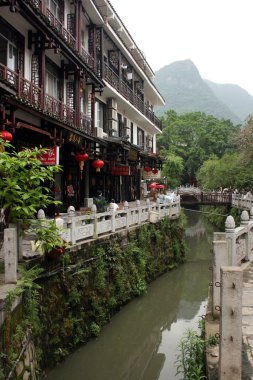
[[120, 170], [51, 157]]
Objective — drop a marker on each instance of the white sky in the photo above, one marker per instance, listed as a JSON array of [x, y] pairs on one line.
[[217, 35]]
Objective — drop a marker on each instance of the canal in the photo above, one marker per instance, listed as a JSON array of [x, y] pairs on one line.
[[141, 342]]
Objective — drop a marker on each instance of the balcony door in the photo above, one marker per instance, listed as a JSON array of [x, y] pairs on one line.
[[8, 54]]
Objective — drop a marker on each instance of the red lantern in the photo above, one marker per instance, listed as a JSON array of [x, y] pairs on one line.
[[98, 164], [147, 169], [6, 136], [81, 157], [154, 171]]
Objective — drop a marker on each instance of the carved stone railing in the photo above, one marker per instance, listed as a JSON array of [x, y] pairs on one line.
[[230, 249], [242, 201], [78, 229]]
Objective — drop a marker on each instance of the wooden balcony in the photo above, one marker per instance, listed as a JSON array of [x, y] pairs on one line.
[[34, 97], [113, 79], [63, 33]]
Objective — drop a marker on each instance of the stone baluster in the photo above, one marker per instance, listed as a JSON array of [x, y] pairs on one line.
[[10, 255], [230, 356], [95, 220], [231, 239], [245, 222], [220, 258], [138, 205]]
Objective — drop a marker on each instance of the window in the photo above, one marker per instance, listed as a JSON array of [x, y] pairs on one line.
[[12, 61], [120, 125], [132, 133], [140, 137], [100, 115], [52, 80], [54, 8], [11, 47]]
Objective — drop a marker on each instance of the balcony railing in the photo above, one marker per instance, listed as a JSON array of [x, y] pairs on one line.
[[113, 79], [62, 31], [55, 23], [32, 95]]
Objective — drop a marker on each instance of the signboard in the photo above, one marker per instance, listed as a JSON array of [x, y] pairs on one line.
[[120, 170], [51, 157]]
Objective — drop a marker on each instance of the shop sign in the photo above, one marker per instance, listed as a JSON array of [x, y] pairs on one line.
[[51, 156], [74, 138], [132, 155], [120, 170]]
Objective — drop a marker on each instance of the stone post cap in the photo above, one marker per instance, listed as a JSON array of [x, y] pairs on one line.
[[230, 224], [71, 210], [138, 203], [41, 214], [126, 205], [93, 209], [148, 201], [244, 217]]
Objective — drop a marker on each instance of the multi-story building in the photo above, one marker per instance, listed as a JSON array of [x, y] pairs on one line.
[[72, 79]]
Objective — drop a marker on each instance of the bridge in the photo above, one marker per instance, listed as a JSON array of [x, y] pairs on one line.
[[194, 196]]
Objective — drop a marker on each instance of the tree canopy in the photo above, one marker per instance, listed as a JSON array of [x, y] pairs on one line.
[[193, 138]]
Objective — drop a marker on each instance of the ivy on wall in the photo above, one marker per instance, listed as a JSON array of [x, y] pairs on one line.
[[79, 294]]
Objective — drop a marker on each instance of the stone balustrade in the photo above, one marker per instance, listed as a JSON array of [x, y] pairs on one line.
[[78, 228], [231, 249], [243, 202]]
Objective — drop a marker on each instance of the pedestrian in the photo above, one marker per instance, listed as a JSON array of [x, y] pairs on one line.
[[100, 202], [113, 206]]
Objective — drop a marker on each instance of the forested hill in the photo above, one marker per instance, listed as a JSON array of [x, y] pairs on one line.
[[235, 97], [185, 91]]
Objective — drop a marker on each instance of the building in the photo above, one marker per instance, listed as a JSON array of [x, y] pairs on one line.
[[73, 80]]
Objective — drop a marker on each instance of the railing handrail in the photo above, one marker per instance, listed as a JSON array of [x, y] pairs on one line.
[[114, 80], [33, 94]]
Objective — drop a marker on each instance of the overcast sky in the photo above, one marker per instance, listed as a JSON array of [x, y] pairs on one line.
[[217, 35]]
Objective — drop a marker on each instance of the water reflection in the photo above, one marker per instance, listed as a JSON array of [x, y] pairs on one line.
[[141, 341]]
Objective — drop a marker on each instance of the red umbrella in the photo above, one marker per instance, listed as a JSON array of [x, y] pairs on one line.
[[153, 185], [160, 186]]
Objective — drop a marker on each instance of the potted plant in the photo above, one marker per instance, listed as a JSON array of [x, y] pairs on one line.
[[48, 238]]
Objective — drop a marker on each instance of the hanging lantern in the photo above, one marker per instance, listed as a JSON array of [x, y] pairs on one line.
[[147, 169], [154, 171], [6, 136], [81, 157], [98, 164]]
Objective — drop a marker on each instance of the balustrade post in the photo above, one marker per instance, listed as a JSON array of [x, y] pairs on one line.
[[10, 255], [220, 258], [159, 208], [231, 239], [72, 230], [230, 355], [113, 214], [138, 205], [245, 222], [95, 221], [19, 84]]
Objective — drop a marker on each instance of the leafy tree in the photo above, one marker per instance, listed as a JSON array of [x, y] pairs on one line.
[[195, 137], [216, 173], [23, 181], [173, 169]]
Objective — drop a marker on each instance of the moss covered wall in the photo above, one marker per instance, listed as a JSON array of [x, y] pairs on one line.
[[81, 292]]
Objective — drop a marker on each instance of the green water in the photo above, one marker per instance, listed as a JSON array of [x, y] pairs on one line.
[[141, 341]]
